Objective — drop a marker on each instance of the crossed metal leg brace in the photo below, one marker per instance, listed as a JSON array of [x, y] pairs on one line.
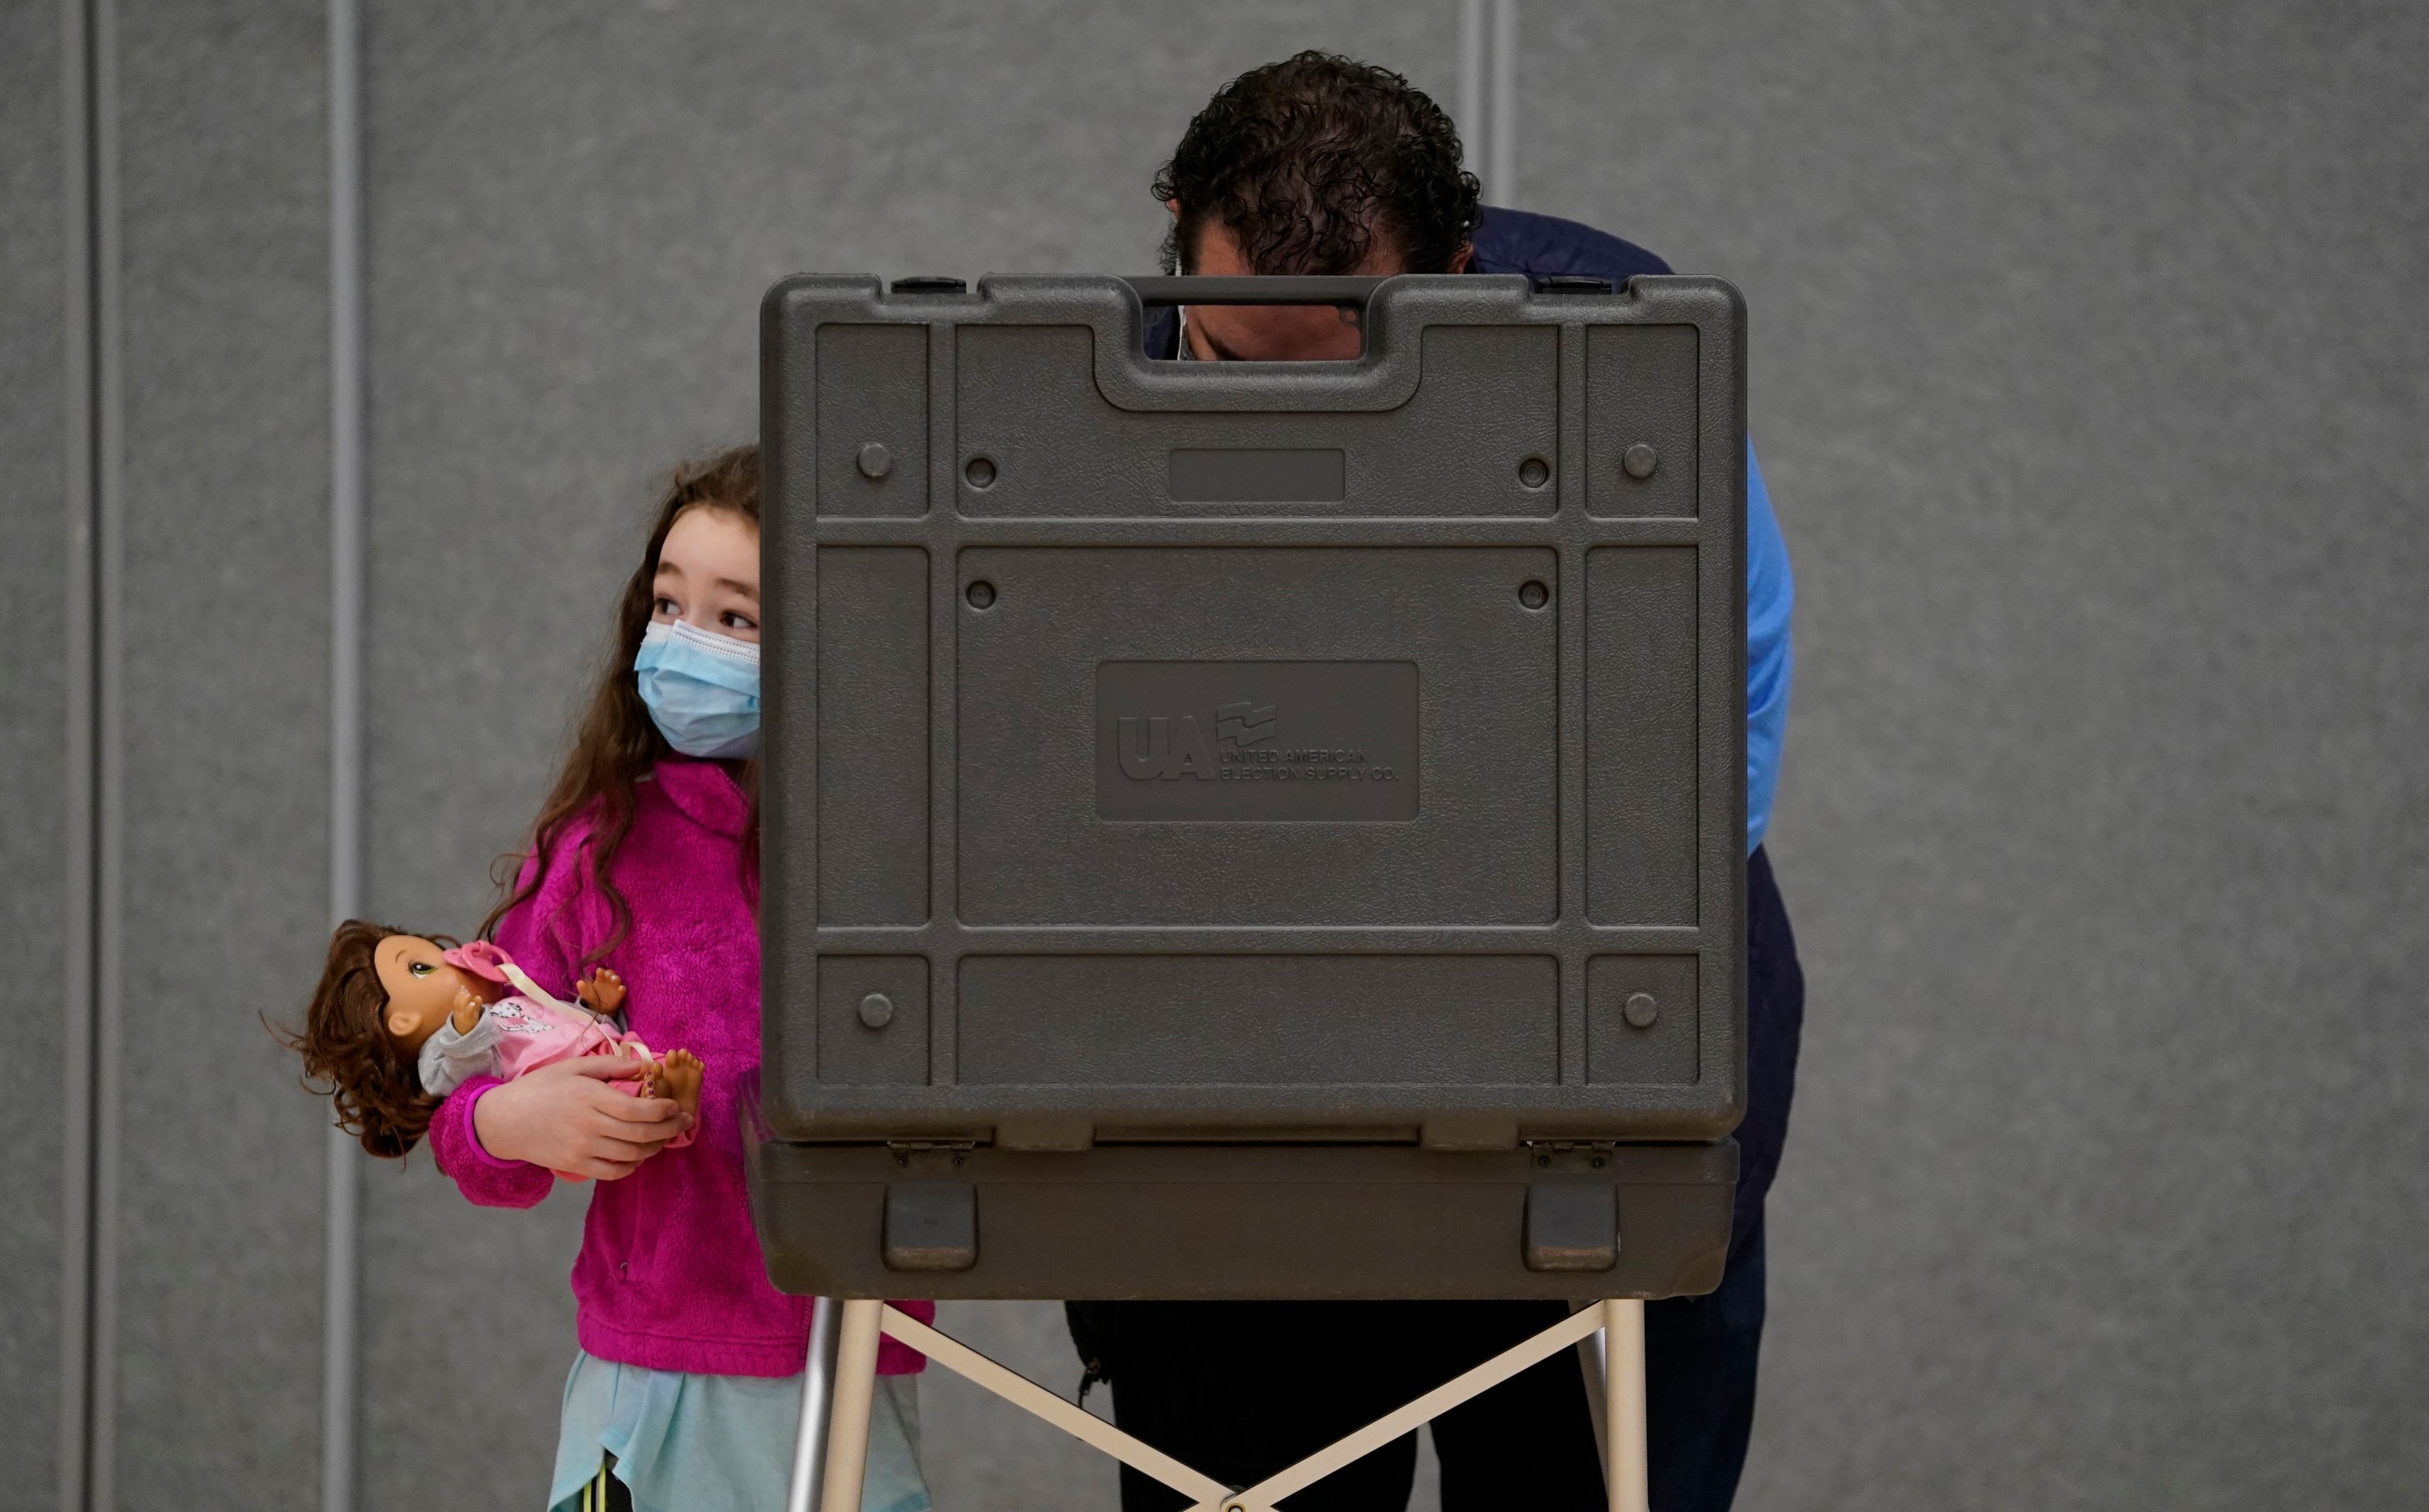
[[832, 1448]]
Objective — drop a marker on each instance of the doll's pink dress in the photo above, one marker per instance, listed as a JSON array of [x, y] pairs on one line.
[[523, 1031]]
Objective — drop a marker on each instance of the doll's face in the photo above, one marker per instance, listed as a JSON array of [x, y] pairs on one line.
[[422, 987]]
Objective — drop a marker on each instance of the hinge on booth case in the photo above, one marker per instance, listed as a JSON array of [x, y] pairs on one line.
[[1572, 1155], [930, 1155]]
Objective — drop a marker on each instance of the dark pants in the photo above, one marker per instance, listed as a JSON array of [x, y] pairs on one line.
[[1241, 1389]]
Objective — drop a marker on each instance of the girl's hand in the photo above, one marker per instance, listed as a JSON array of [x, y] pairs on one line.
[[565, 1117]]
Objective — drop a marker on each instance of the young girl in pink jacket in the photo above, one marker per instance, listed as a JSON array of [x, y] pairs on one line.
[[686, 1389]]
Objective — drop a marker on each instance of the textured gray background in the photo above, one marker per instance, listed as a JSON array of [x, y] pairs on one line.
[[218, 1213], [2088, 372], [33, 737], [2088, 377]]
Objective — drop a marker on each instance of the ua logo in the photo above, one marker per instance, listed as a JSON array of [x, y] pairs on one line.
[[1161, 750], [1157, 745]]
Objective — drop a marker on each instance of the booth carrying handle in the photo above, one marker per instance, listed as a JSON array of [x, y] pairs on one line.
[[1346, 293]]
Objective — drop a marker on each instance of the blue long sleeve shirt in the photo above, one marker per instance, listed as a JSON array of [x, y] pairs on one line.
[[1771, 661]]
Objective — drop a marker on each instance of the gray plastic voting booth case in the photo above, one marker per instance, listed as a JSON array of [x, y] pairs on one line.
[[1247, 830]]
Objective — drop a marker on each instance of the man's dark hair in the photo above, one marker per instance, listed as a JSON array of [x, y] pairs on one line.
[[1308, 161]]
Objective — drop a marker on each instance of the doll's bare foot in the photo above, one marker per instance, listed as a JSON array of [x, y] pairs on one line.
[[602, 992], [679, 1078]]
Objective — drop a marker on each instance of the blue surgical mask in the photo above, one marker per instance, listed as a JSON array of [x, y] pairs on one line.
[[702, 688]]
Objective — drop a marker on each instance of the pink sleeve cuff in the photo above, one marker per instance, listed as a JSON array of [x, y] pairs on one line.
[[481, 1176], [472, 1129]]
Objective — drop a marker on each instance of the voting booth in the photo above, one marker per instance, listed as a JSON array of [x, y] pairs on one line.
[[1247, 829]]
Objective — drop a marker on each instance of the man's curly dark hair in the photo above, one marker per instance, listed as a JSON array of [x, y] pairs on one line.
[[1308, 161]]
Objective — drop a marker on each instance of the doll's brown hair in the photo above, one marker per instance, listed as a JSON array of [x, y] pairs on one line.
[[617, 743], [348, 1054]]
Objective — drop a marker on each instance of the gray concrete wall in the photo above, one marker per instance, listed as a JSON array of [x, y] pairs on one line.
[[2089, 376], [35, 544], [214, 1213], [2088, 379]]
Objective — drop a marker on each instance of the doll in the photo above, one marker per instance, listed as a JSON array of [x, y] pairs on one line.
[[400, 1020]]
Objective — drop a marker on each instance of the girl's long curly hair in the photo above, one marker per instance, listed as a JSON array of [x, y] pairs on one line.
[[348, 1054], [616, 744]]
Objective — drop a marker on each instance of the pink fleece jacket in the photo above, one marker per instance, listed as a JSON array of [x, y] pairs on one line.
[[670, 1276]]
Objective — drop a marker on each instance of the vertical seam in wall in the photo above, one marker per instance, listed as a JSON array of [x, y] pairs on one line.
[[107, 726], [1504, 134], [81, 447], [343, 1302], [1472, 124]]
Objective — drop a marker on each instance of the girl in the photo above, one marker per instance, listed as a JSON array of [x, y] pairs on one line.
[[685, 1393]]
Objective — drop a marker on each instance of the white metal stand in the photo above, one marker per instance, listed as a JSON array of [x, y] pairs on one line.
[[817, 1404], [1622, 1404], [856, 1383], [838, 1440]]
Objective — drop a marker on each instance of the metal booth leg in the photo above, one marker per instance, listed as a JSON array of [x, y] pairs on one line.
[[1623, 1399], [856, 1383], [1590, 1366], [818, 1401]]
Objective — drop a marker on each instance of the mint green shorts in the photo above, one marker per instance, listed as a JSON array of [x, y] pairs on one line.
[[718, 1443]]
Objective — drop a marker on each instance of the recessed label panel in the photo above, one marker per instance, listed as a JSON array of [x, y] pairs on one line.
[[1251, 475], [1248, 741]]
